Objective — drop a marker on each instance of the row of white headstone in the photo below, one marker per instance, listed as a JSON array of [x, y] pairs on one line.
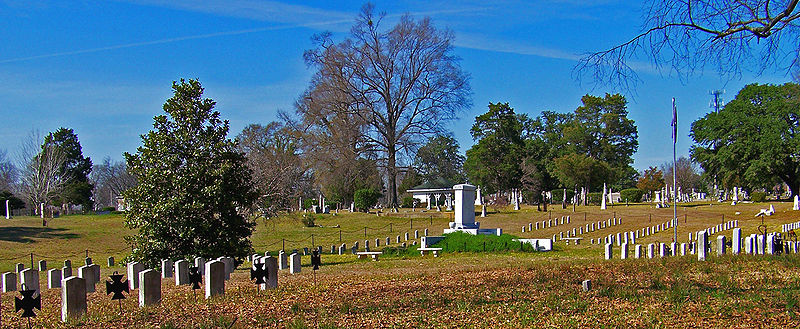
[[591, 227], [74, 289], [546, 224], [754, 244]]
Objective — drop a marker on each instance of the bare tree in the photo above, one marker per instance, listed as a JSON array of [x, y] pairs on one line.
[[687, 174], [7, 173], [110, 179], [403, 83], [273, 156], [41, 177], [689, 35]]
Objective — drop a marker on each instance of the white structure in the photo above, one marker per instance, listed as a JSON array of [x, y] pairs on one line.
[[464, 219], [796, 205], [603, 201]]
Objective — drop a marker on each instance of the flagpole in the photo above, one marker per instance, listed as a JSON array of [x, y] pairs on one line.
[[674, 171]]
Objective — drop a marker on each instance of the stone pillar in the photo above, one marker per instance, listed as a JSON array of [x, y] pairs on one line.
[[87, 274], [702, 245], [720, 245], [215, 278], [73, 298], [30, 278], [166, 268], [9, 282], [294, 263], [149, 287], [53, 278], [608, 252], [736, 242], [181, 272], [133, 274]]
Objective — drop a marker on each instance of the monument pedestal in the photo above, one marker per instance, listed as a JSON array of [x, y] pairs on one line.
[[465, 213]]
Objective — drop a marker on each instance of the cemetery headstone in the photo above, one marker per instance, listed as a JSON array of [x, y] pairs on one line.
[[53, 278], [30, 278], [73, 298], [133, 274], [150, 287], [294, 263], [87, 273], [181, 272], [9, 282], [215, 278], [166, 268]]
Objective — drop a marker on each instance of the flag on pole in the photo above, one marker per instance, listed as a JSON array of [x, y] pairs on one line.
[[674, 123]]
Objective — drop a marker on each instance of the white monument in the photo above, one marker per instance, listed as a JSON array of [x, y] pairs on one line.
[[464, 220], [603, 201], [8, 207], [796, 205], [478, 198]]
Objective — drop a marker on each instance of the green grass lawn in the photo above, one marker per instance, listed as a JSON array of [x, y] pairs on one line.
[[458, 289]]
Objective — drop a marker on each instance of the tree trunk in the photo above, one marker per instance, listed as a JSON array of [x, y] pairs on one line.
[[391, 170]]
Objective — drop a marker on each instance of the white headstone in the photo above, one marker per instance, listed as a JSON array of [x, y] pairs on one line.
[[294, 263], [73, 298], [53, 278], [214, 278], [133, 274], [149, 287], [702, 245], [9, 282], [181, 272], [736, 242]]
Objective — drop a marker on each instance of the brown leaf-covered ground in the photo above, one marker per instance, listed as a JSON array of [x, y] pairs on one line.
[[510, 290]]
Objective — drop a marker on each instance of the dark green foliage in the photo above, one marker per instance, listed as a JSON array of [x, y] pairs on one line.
[[465, 242], [76, 168], [758, 196], [558, 195], [309, 220], [631, 195], [754, 140], [440, 158], [194, 186], [366, 198], [108, 209], [495, 161], [15, 203], [594, 198], [408, 202]]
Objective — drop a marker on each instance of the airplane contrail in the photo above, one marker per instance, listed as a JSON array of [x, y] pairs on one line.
[[210, 35], [170, 40]]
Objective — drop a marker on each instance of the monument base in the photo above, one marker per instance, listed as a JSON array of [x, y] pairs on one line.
[[476, 231]]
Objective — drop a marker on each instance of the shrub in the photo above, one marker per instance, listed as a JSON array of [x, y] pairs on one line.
[[461, 242], [308, 220], [308, 203], [758, 196], [558, 195], [108, 209], [631, 195], [594, 197], [408, 202], [366, 198]]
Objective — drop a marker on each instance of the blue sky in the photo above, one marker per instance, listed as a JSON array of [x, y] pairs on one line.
[[104, 68]]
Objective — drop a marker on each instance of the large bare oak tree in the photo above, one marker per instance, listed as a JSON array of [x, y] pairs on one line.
[[404, 83]]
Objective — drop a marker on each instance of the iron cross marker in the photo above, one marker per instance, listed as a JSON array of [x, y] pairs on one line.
[[195, 278], [258, 273], [316, 259], [27, 303], [117, 286]]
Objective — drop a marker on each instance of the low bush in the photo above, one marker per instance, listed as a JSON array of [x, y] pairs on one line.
[[594, 198], [309, 220], [408, 202], [465, 242], [558, 195], [366, 198], [758, 196], [631, 195]]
